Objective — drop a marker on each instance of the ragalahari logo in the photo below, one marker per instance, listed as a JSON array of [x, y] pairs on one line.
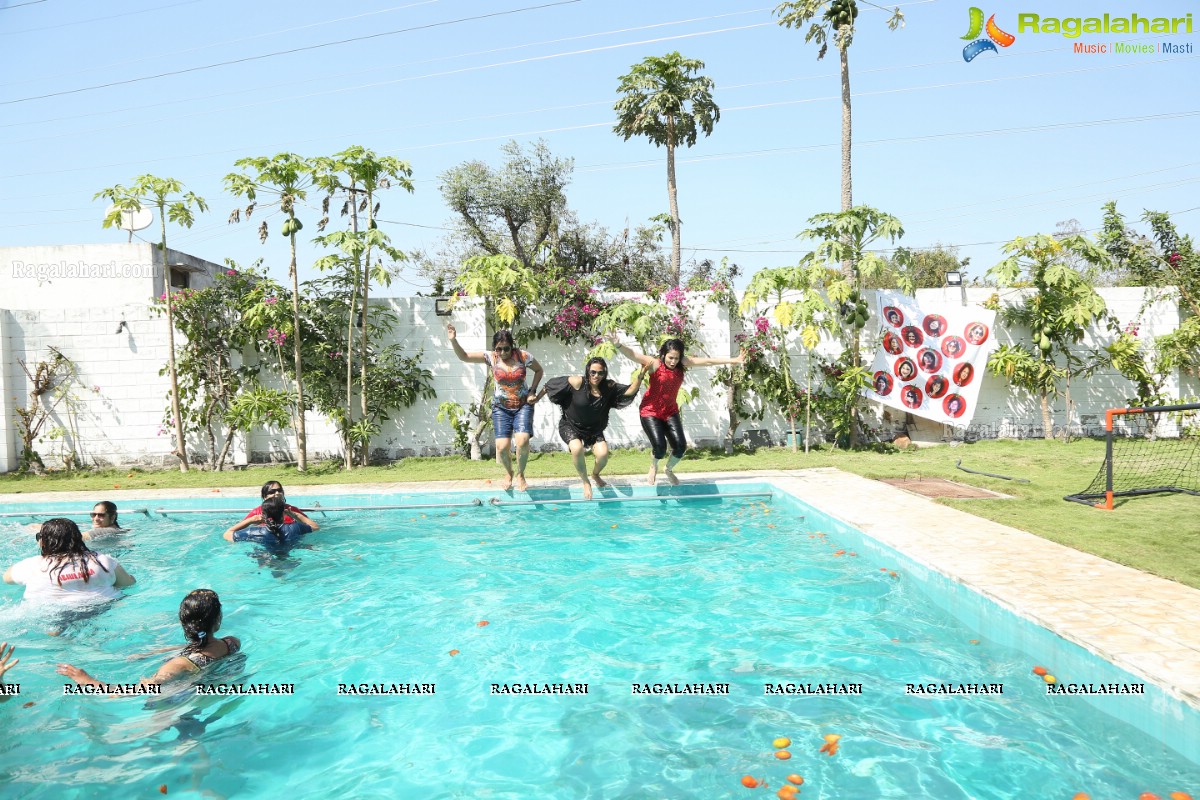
[[995, 36]]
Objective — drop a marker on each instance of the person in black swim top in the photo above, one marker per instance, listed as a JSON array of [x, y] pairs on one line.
[[586, 401], [269, 527], [200, 616]]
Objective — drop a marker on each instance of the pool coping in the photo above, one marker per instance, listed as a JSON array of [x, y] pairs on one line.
[[1144, 624]]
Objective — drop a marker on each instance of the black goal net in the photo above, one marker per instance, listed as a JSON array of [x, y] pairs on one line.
[[1147, 450]]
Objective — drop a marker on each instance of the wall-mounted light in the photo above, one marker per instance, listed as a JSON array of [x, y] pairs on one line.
[[957, 278], [441, 306]]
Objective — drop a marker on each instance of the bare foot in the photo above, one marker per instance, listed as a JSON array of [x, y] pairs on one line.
[[522, 484], [671, 479], [596, 479], [587, 490], [652, 475], [506, 484]]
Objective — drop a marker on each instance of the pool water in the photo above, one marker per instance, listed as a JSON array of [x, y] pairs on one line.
[[742, 591]]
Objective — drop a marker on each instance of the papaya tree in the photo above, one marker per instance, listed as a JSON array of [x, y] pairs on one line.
[[1060, 308], [356, 175], [798, 295], [285, 177], [353, 250], [845, 237], [168, 198]]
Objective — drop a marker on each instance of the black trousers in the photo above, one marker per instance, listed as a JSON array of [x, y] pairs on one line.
[[663, 432]]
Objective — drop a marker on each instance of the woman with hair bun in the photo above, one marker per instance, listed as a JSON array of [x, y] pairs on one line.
[[271, 526], [660, 407], [512, 402], [66, 570], [200, 616]]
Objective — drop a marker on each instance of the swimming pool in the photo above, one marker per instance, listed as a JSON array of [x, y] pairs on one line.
[[743, 591]]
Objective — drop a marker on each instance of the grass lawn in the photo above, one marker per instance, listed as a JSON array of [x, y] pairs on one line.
[[1158, 534]]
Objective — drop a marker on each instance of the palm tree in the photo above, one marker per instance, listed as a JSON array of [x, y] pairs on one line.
[[665, 100], [833, 19]]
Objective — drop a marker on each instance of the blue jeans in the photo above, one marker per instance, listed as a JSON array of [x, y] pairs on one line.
[[507, 421]]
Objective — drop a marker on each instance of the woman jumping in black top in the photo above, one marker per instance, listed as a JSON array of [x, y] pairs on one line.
[[586, 401]]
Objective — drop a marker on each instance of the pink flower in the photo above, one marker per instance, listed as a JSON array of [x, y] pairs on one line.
[[231, 272], [762, 324], [1174, 258], [270, 300], [96, 389], [675, 296]]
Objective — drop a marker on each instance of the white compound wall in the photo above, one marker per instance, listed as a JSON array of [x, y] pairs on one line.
[[122, 398]]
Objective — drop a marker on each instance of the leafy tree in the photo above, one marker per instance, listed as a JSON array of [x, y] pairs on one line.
[[395, 378], [1063, 306], [286, 177], [833, 19], [667, 101], [511, 211], [845, 237], [909, 270], [1169, 264], [218, 362], [810, 312], [167, 196], [357, 175]]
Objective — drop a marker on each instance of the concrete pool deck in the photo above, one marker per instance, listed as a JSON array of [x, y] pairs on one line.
[[1144, 624]]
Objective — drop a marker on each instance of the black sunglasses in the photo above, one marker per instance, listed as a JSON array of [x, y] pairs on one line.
[[504, 349], [99, 514], [597, 372]]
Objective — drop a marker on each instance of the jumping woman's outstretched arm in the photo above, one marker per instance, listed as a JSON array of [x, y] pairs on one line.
[[689, 361], [463, 355], [627, 351]]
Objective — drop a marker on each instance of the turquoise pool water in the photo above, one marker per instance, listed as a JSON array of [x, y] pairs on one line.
[[740, 591]]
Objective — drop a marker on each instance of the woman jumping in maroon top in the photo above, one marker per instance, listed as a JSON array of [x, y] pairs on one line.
[[660, 405]]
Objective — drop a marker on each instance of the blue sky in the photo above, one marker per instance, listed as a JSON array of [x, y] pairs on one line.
[[967, 154]]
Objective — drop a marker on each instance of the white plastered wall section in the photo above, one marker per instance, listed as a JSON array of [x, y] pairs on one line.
[[123, 398]]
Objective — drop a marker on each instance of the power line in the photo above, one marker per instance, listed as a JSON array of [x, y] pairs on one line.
[[288, 52], [18, 5], [258, 89], [210, 45], [105, 18]]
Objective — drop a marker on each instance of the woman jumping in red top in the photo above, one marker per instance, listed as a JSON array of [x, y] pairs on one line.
[[660, 406]]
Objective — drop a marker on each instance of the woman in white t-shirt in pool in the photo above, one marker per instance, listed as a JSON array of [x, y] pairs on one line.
[[67, 570]]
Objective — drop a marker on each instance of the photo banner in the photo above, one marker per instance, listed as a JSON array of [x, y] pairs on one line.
[[931, 360]]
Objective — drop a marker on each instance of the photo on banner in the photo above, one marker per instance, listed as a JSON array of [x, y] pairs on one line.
[[931, 359]]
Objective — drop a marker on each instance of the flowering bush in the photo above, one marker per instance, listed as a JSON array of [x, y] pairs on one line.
[[578, 309]]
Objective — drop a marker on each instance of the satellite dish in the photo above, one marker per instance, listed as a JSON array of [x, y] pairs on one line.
[[132, 220]]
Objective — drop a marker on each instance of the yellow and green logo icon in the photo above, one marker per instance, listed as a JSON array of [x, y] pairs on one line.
[[995, 36]]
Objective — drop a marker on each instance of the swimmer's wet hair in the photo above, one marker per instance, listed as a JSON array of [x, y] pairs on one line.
[[62, 545], [199, 614]]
